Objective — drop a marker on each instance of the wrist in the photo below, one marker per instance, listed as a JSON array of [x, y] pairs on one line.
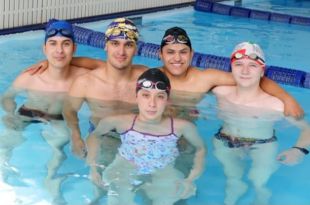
[[301, 149]]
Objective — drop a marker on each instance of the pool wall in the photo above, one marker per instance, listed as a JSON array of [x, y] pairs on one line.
[[23, 15]]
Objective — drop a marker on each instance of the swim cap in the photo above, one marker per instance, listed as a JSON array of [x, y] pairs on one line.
[[59, 28], [175, 35], [248, 50], [153, 79], [122, 28]]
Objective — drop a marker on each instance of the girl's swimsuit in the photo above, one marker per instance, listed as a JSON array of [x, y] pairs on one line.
[[147, 151]]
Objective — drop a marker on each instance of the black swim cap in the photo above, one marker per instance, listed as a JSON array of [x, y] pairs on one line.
[[153, 78], [175, 35]]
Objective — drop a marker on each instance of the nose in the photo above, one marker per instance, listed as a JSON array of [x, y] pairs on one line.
[[152, 101], [245, 69], [177, 56], [59, 48], [121, 50]]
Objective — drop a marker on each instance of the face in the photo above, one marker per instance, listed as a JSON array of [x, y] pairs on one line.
[[176, 58], [120, 53], [247, 72], [151, 103], [59, 51]]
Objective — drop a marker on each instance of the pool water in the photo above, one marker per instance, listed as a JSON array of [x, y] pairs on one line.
[[290, 7], [284, 46]]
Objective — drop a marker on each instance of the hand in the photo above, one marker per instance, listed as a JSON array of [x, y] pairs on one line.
[[13, 122], [292, 108], [290, 157], [186, 189], [79, 148], [37, 68], [96, 178]]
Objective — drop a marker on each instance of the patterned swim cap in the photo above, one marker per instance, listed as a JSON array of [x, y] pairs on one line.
[[249, 50], [122, 28]]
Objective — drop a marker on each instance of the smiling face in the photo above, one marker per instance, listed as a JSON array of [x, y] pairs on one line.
[[151, 103], [59, 51], [120, 53], [176, 58], [247, 72]]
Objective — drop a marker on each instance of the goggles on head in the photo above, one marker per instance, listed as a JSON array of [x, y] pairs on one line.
[[125, 33], [239, 55], [64, 32], [170, 39], [147, 84]]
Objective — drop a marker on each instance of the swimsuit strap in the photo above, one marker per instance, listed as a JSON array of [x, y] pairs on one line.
[[133, 122], [172, 126]]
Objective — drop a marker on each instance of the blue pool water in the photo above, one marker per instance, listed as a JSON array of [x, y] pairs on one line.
[[290, 7], [284, 45]]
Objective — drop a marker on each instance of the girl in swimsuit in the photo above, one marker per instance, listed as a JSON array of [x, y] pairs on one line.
[[148, 149]]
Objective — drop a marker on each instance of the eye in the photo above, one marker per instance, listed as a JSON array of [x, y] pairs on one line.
[[114, 43], [184, 51], [162, 96], [145, 94], [67, 43], [130, 45]]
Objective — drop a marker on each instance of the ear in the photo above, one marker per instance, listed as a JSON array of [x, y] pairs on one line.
[[160, 54], [74, 48], [44, 48]]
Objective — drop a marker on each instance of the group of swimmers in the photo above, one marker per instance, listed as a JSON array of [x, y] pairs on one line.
[[135, 135]]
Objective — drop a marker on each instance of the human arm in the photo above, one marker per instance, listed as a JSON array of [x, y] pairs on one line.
[[191, 134], [215, 77], [72, 105], [84, 62], [296, 153], [11, 119], [95, 152], [291, 106]]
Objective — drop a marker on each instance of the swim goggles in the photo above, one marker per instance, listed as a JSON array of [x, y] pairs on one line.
[[64, 32], [170, 39], [238, 55], [147, 84], [124, 32]]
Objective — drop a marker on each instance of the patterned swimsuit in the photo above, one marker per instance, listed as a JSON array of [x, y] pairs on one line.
[[148, 152]]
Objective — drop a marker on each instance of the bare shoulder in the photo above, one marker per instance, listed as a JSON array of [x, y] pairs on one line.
[[182, 124], [76, 71], [272, 102], [24, 80], [223, 90], [139, 69], [120, 122]]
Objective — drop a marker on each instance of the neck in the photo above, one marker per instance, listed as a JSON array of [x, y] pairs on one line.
[[57, 73], [249, 94], [142, 119], [117, 75]]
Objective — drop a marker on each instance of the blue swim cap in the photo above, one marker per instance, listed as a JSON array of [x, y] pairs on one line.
[[59, 28]]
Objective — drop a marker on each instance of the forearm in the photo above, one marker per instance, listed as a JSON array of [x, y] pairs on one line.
[[8, 105], [84, 62], [304, 139], [198, 165], [73, 123], [272, 88]]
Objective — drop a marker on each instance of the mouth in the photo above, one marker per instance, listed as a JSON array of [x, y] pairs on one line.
[[150, 112], [60, 58]]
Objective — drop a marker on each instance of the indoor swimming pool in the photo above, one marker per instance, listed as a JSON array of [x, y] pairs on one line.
[[285, 45]]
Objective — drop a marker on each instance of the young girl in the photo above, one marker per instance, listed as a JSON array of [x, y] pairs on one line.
[[148, 149]]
